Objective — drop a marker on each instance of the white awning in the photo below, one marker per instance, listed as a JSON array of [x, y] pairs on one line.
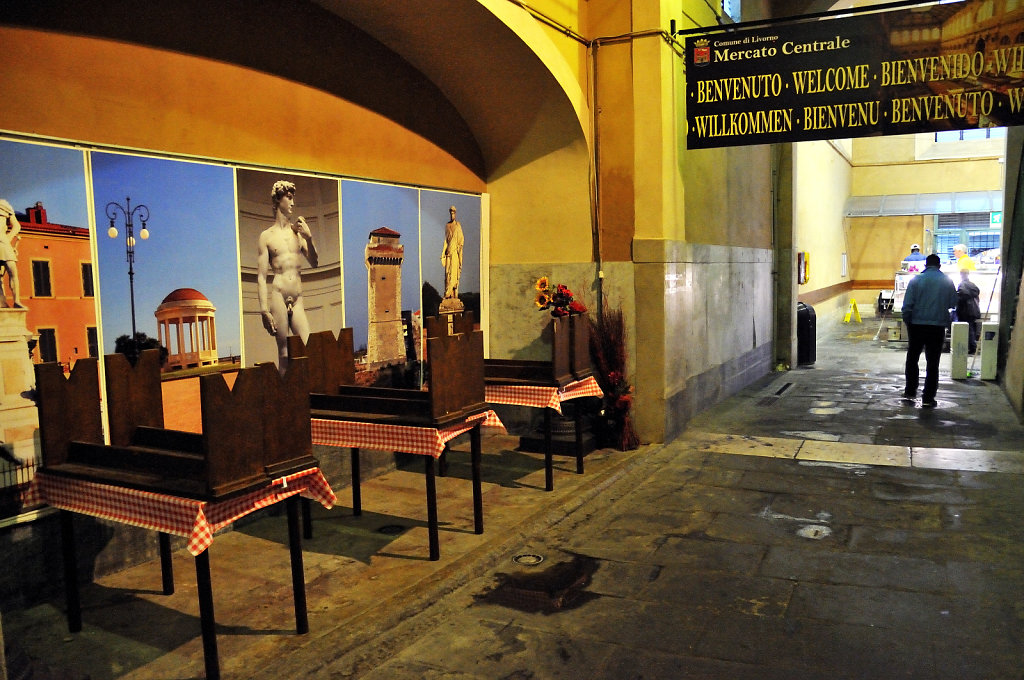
[[925, 204]]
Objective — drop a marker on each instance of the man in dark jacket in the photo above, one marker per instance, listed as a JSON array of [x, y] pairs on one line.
[[968, 308], [929, 297]]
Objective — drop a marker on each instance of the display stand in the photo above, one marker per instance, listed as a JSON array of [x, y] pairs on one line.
[[549, 399], [196, 520], [423, 440], [251, 434], [417, 421], [254, 451], [546, 384]]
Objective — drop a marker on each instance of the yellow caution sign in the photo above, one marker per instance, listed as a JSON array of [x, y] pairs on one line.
[[852, 312]]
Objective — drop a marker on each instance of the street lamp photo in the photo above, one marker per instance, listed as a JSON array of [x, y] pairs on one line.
[[128, 213]]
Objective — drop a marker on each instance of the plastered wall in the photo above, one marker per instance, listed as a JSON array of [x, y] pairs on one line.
[[890, 165], [821, 185]]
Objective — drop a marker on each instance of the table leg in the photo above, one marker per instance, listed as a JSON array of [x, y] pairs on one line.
[[435, 546], [207, 622], [442, 463], [478, 501], [298, 577], [67, 539], [166, 566], [307, 518], [578, 418], [357, 496], [549, 474]]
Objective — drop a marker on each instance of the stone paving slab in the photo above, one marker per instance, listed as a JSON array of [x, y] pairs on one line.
[[960, 459], [841, 452]]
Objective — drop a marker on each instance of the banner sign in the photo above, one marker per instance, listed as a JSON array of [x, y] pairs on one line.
[[953, 66]]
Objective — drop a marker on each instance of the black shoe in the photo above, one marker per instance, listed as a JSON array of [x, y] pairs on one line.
[[909, 396], [930, 403]]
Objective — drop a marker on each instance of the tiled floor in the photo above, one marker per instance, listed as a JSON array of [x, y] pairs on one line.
[[846, 408], [812, 526]]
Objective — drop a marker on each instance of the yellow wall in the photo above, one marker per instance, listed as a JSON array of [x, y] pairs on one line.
[[728, 196], [727, 191], [821, 185], [574, 16], [889, 165], [614, 142]]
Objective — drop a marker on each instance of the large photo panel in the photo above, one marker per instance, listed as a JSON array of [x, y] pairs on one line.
[[382, 271], [451, 234], [175, 279], [47, 266], [290, 260]]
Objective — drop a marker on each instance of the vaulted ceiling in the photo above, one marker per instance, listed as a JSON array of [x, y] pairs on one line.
[[448, 70]]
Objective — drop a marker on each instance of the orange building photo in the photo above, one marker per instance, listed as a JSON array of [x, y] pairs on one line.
[[55, 272]]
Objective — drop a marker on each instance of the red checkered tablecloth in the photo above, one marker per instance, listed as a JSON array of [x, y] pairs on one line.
[[196, 520], [423, 441], [540, 396]]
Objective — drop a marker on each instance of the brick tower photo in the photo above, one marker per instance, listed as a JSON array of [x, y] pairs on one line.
[[385, 343]]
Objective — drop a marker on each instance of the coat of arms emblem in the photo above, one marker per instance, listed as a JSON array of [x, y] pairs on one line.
[[701, 52]]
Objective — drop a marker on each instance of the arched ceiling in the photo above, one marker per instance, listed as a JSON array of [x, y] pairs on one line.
[[448, 70], [496, 82]]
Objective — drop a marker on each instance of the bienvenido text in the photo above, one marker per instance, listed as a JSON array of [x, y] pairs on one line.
[[930, 69]]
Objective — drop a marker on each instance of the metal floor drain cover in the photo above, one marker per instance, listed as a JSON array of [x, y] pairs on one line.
[[391, 529], [813, 531], [528, 559]]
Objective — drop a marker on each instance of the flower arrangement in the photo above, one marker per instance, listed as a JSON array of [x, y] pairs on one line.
[[558, 299]]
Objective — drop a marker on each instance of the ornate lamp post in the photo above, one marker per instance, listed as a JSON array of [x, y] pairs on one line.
[[129, 213]]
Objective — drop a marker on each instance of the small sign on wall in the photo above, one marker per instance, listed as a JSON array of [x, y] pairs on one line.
[[803, 263]]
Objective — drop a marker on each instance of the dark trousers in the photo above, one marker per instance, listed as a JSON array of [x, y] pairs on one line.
[[972, 335], [929, 339]]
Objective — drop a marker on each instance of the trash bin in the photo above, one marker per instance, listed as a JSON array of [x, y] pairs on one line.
[[805, 334]]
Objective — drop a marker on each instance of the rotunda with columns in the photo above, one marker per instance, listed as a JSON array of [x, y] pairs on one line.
[[186, 327]]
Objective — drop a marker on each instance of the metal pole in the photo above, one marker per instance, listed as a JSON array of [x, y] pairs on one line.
[[128, 213]]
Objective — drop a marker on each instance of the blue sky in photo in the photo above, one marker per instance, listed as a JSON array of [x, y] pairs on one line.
[[192, 242], [53, 175]]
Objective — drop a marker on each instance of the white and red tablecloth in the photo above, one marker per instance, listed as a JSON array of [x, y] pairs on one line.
[[541, 396], [195, 520], [423, 441]]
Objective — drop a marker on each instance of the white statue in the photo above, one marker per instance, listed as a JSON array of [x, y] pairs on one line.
[[451, 256], [281, 249], [8, 253]]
